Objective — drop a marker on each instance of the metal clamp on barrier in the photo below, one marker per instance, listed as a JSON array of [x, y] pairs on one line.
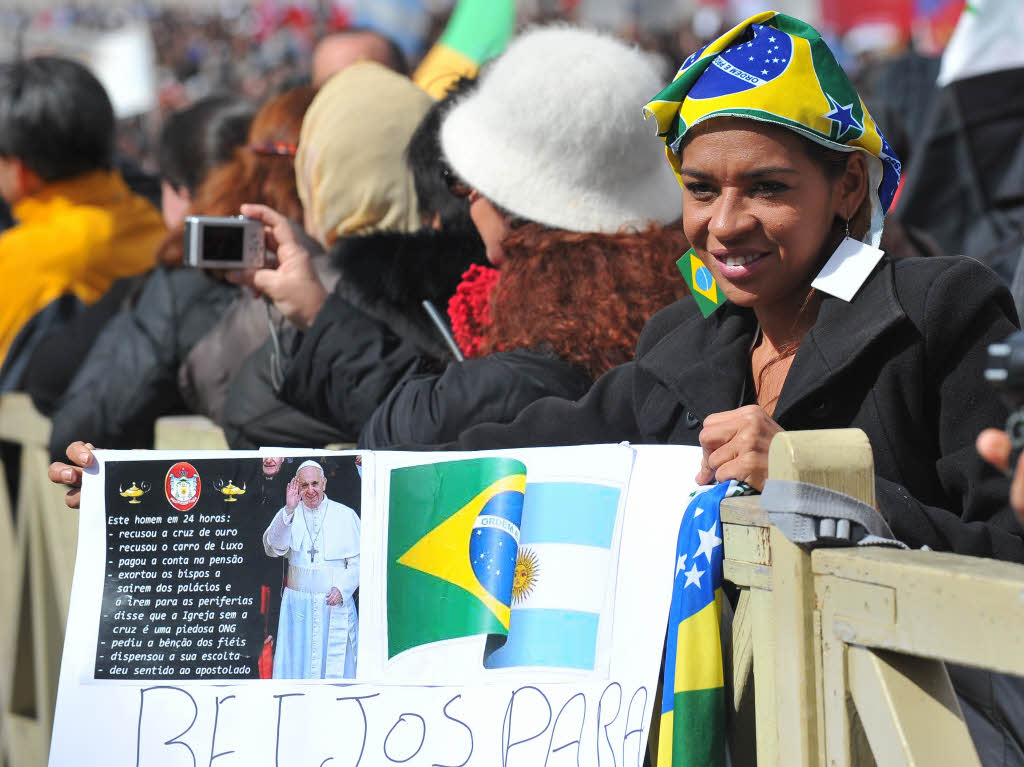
[[815, 516]]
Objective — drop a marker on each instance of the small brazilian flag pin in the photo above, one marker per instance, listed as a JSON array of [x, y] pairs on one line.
[[702, 285]]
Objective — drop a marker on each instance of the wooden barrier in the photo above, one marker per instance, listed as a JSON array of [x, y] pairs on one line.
[[196, 432], [188, 432], [837, 655], [38, 535], [846, 648]]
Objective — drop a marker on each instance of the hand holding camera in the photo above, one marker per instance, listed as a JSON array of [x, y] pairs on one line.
[[240, 245], [224, 242], [294, 286]]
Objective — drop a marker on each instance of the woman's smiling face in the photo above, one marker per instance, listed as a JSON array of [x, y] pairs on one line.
[[759, 210]]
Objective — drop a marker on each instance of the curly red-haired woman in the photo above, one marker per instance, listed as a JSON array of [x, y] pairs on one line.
[[579, 223]]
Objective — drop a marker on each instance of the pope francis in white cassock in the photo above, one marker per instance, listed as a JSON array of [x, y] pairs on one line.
[[317, 635]]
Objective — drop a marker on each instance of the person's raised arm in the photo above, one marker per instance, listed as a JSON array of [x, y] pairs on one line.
[[277, 537]]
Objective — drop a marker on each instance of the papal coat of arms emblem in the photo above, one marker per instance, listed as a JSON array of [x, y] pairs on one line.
[[182, 486]]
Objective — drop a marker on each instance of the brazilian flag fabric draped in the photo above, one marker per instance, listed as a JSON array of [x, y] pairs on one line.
[[692, 727], [477, 31], [453, 534], [775, 69]]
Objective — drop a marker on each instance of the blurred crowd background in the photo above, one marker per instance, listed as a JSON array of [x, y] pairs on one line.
[[155, 57]]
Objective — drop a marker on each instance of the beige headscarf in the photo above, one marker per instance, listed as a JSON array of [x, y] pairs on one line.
[[350, 166]]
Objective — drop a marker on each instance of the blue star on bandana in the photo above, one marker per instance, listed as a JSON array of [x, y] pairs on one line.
[[842, 114]]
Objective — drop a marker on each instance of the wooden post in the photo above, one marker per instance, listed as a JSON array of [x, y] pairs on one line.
[[839, 459], [850, 644], [41, 534], [751, 655], [910, 713], [785, 630]]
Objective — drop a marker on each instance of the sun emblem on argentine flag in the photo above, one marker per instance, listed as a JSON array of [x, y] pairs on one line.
[[525, 578]]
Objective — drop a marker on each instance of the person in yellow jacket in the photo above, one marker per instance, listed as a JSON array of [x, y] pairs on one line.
[[77, 225]]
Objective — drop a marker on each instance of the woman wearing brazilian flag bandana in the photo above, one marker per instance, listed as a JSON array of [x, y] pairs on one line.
[[796, 320]]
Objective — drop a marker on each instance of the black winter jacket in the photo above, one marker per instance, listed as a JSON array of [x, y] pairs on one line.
[[437, 407], [130, 377], [61, 352], [903, 361], [370, 333]]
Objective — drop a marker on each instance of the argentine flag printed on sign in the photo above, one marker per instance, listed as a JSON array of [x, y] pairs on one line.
[[564, 570]]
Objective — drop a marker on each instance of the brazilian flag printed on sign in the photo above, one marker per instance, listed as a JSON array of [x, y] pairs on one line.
[[453, 535], [702, 285]]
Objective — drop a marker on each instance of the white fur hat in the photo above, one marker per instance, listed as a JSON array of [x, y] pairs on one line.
[[554, 133]]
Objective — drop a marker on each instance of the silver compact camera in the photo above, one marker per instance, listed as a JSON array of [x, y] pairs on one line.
[[224, 242]]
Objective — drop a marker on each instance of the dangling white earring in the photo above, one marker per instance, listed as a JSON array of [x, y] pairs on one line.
[[847, 268]]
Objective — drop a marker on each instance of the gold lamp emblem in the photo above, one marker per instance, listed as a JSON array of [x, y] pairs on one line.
[[134, 492], [230, 491]]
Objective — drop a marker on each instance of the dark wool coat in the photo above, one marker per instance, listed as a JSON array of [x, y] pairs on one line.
[[903, 361]]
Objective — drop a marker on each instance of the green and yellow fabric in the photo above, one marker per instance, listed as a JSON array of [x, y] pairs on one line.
[[691, 728], [477, 31], [777, 69], [702, 285], [453, 531]]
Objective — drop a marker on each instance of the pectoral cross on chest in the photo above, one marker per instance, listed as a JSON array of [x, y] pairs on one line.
[[312, 552]]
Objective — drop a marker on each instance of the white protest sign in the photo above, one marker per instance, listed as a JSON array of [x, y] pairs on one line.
[[176, 608]]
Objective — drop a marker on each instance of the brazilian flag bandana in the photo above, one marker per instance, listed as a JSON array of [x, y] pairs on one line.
[[777, 69]]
